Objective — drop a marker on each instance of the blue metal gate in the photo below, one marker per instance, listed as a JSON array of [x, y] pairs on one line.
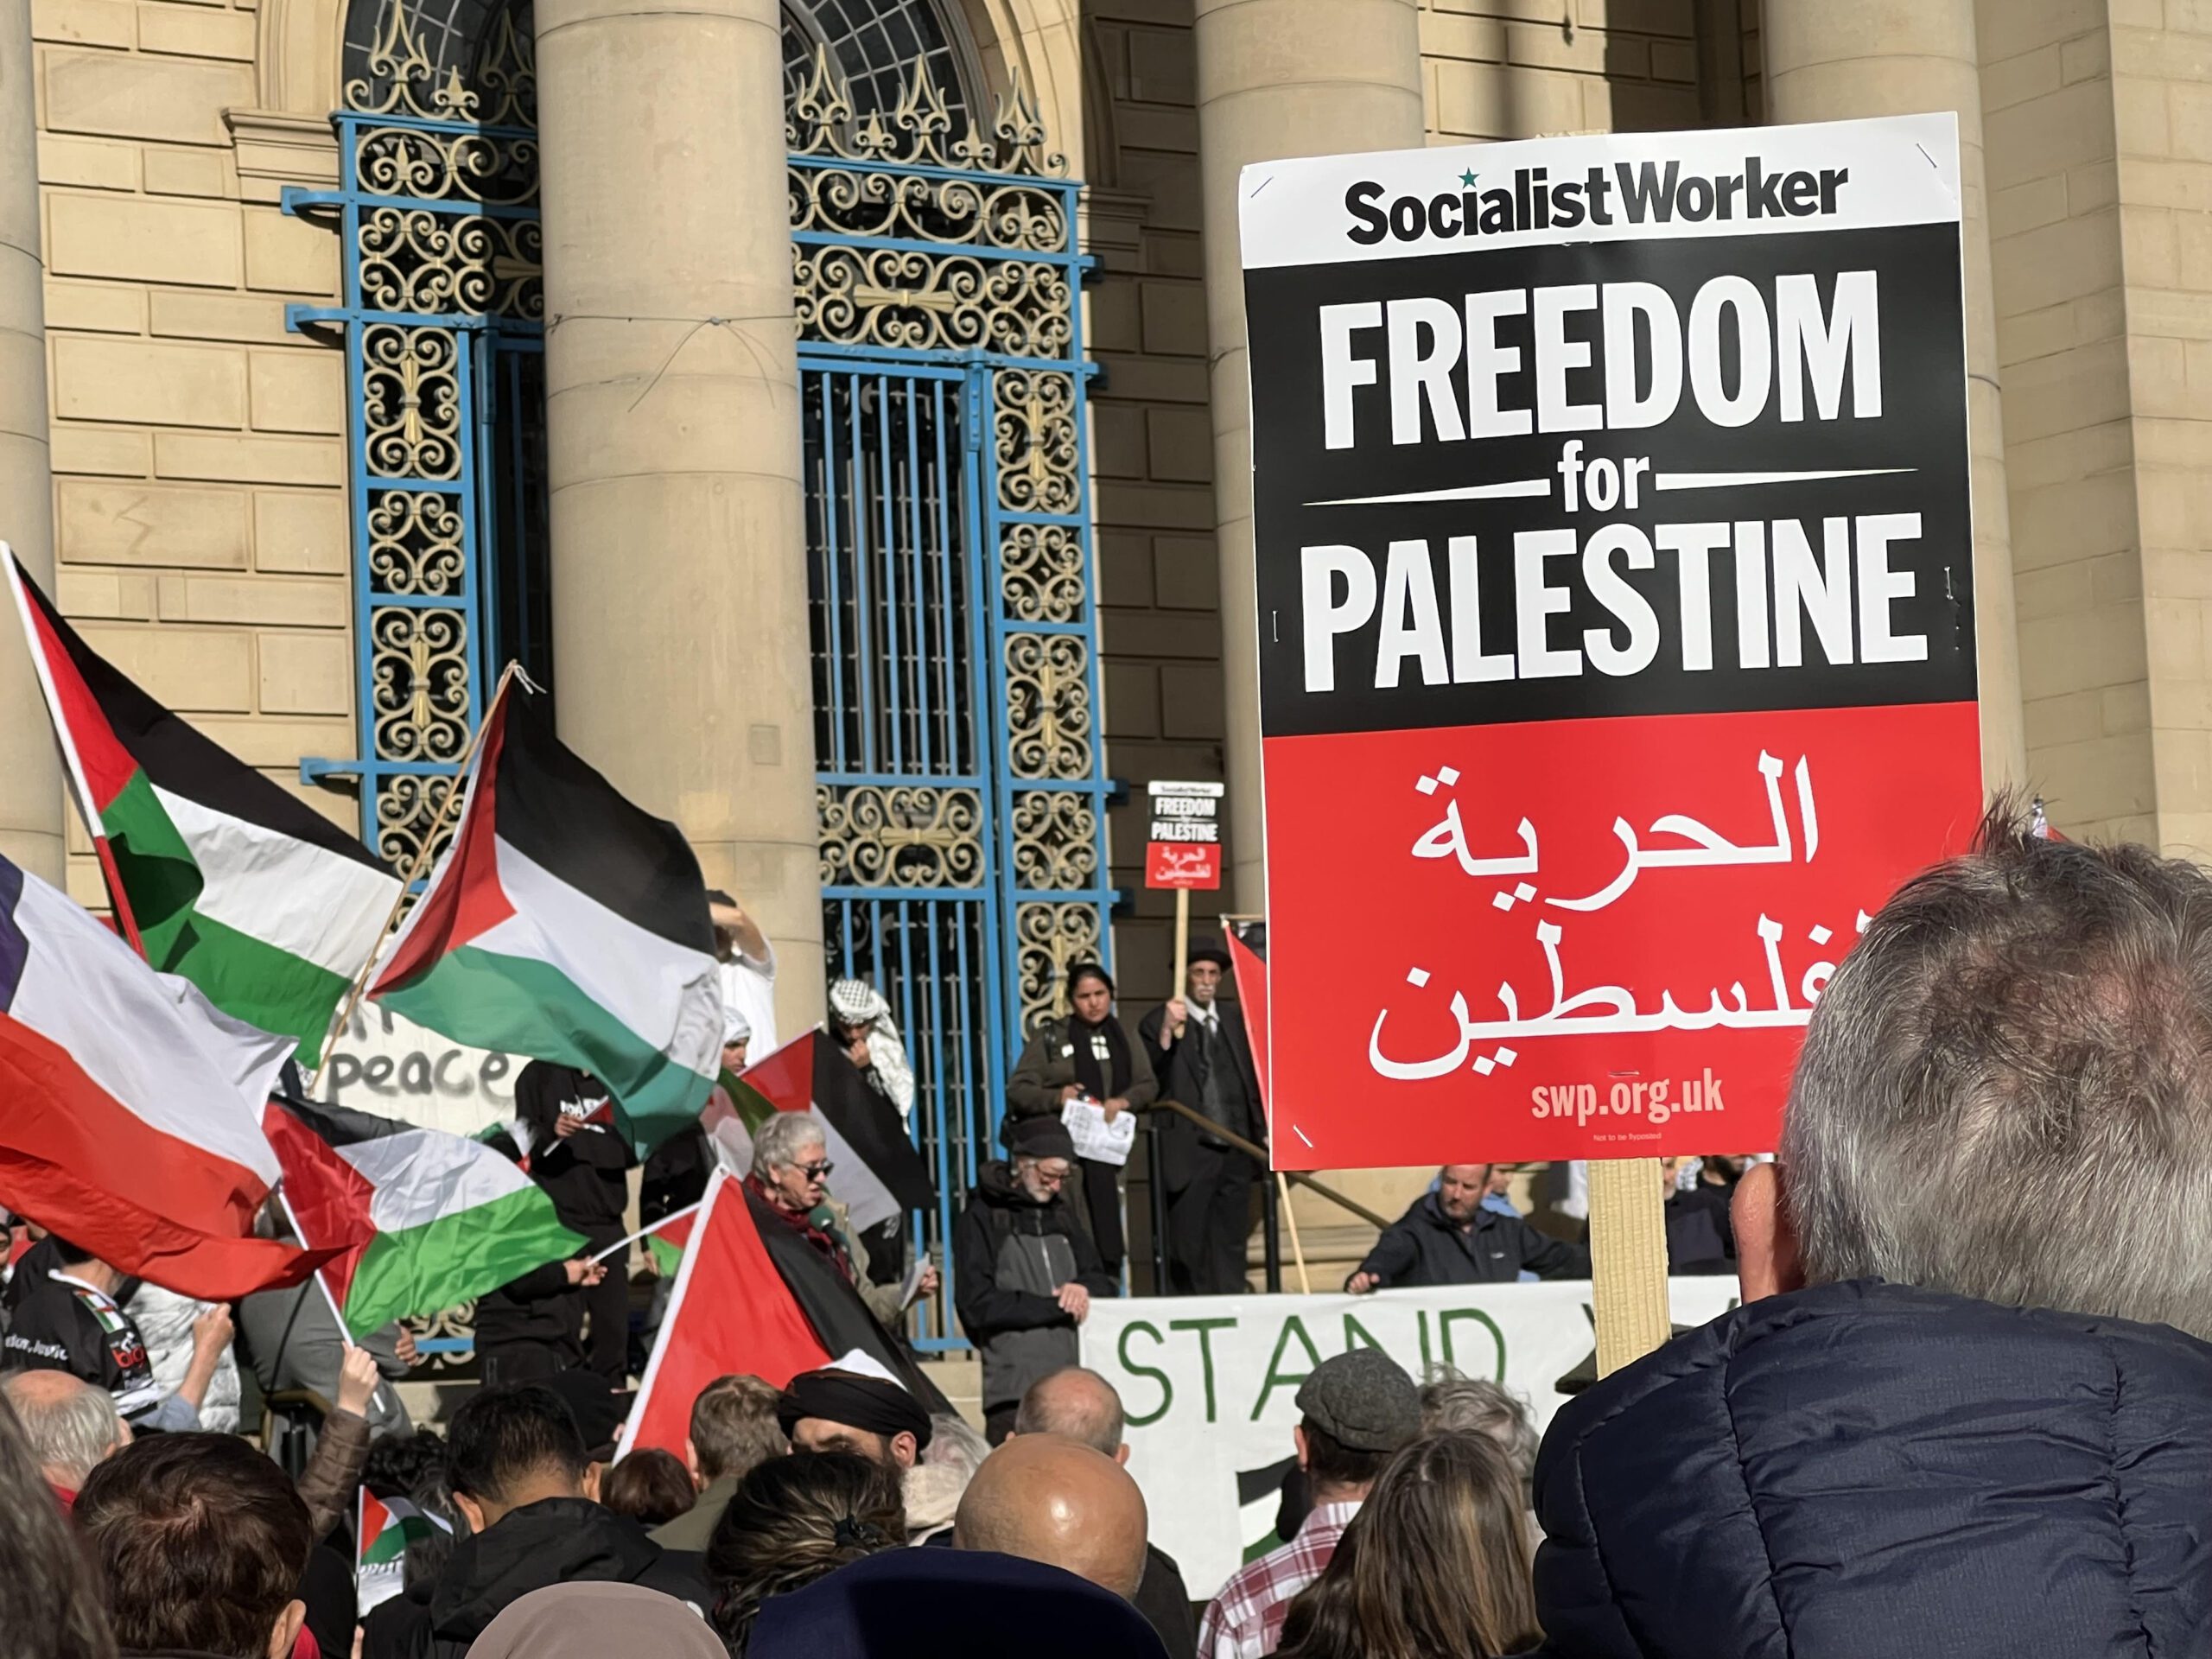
[[436, 211], [959, 779], [953, 640]]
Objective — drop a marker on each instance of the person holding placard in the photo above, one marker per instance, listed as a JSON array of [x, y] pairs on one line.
[[1204, 1058], [1087, 1058]]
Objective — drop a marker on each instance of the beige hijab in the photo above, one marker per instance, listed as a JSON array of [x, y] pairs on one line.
[[593, 1621]]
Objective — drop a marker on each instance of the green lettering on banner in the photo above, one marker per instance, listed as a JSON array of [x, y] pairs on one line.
[[1276, 1379], [1444, 1330], [1357, 1334], [1206, 1328], [1422, 1316], [1139, 1420]]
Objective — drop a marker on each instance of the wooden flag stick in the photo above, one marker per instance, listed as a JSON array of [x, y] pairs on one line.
[[1290, 1219], [415, 868], [1182, 939], [1628, 1251]]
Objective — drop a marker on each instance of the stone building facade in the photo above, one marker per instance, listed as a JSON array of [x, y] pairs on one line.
[[178, 448]]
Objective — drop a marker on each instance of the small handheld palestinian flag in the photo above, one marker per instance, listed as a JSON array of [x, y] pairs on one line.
[[431, 1220], [217, 874], [382, 1531], [666, 1241], [565, 923]]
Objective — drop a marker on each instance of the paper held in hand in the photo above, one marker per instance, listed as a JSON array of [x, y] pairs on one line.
[[1097, 1139]]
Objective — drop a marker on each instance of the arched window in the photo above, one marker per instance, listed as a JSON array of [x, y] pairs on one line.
[[874, 45]]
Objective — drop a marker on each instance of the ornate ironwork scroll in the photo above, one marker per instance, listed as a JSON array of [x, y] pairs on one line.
[[440, 321], [962, 845]]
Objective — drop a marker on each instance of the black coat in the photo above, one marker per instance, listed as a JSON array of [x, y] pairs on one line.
[[559, 1541], [1865, 1471], [1010, 1255], [583, 1174], [1424, 1247], [1176, 1066]]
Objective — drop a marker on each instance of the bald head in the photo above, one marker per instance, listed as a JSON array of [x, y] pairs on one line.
[[70, 1424], [1078, 1404], [1049, 1499]]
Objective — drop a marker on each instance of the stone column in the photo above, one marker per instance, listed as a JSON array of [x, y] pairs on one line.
[[31, 800], [679, 582], [1275, 77], [1831, 62]]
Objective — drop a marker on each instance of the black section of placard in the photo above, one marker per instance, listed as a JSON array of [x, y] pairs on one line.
[[1922, 428]]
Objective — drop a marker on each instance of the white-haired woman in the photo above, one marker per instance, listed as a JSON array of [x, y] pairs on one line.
[[790, 1174]]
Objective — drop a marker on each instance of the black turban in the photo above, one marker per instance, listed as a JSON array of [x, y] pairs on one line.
[[863, 1402]]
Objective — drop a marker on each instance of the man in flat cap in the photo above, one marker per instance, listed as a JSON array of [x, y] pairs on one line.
[[1203, 1060], [1026, 1268], [832, 1411], [1360, 1408]]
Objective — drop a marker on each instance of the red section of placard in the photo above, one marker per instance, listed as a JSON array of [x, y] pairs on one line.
[[1195, 864], [1579, 938]]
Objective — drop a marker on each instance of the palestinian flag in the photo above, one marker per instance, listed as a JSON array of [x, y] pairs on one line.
[[666, 1241], [129, 1108], [833, 1309], [218, 874], [1247, 952], [1259, 1498], [752, 1296], [427, 1221], [728, 1312], [564, 924], [880, 1172], [383, 1529]]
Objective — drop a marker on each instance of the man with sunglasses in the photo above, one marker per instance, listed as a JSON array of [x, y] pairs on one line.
[[1024, 1267]]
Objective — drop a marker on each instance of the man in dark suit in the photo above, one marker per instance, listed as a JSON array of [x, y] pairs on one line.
[[1204, 1057]]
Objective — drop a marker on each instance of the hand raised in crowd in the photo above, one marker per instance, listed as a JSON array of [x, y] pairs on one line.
[[404, 1346], [1171, 1022], [212, 1331], [1074, 1301], [928, 1284], [585, 1273], [1360, 1283], [357, 1380], [564, 1126]]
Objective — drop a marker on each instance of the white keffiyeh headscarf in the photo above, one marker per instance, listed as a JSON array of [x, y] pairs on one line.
[[857, 1002]]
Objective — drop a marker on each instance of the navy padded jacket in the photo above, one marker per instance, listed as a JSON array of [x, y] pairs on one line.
[[1865, 1471]]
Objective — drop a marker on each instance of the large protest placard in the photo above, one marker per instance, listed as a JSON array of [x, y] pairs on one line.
[[1616, 620], [1210, 1384]]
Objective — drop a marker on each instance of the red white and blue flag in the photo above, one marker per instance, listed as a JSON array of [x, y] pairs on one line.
[[129, 1106]]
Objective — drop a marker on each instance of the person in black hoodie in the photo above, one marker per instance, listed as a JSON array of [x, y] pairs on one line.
[[517, 1465], [581, 1160], [1025, 1267], [524, 1332]]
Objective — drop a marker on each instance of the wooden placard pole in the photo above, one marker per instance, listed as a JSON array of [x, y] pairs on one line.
[[1628, 1255], [1182, 939]]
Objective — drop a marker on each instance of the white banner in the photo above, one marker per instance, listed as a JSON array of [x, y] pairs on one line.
[[392, 1067], [1209, 1385]]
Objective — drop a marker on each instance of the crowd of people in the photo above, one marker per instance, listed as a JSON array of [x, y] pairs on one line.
[[1965, 1406]]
